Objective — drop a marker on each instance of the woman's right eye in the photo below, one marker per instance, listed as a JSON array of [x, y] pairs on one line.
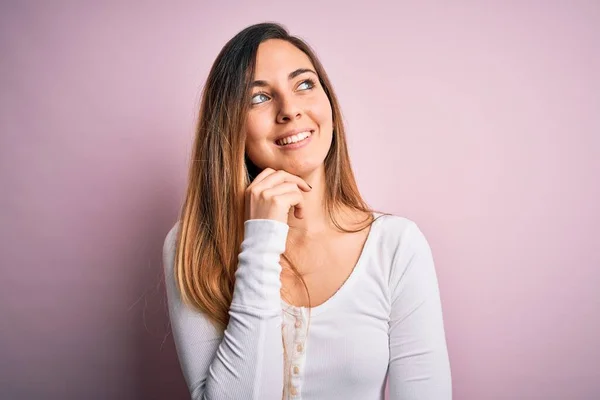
[[258, 96]]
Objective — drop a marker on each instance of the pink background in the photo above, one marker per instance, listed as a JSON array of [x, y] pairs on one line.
[[478, 120]]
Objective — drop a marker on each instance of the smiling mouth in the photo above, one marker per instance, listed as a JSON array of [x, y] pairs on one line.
[[294, 138]]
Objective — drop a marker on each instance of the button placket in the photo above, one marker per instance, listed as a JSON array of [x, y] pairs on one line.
[[298, 352]]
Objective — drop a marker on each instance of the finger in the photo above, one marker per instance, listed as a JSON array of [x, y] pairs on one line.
[[295, 200], [262, 175], [280, 189], [283, 176], [299, 212], [288, 193]]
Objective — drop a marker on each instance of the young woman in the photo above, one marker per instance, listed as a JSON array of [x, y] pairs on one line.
[[281, 281]]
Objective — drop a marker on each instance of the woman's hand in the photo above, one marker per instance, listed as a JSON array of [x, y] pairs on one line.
[[272, 193]]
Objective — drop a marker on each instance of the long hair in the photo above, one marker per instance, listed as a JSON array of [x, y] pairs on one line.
[[212, 216]]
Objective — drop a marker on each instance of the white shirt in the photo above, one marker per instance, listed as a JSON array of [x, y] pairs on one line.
[[384, 322]]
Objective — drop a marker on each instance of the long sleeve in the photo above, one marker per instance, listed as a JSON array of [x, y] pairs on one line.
[[246, 362], [419, 366]]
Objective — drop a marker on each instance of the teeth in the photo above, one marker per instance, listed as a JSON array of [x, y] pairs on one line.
[[294, 138]]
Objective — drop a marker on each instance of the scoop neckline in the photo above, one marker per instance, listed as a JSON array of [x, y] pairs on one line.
[[302, 310]]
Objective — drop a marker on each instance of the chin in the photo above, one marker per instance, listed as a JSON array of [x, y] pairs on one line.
[[306, 169]]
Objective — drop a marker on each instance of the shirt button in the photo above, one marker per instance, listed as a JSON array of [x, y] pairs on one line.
[[294, 391], [298, 324], [296, 370], [299, 347]]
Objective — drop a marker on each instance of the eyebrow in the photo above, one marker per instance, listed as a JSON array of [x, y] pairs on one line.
[[292, 75]]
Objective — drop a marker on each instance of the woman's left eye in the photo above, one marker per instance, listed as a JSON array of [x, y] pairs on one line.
[[308, 82]]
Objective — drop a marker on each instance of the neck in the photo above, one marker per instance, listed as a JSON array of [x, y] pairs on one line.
[[316, 219]]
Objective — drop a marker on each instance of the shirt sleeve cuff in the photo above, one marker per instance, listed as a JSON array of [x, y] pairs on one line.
[[258, 282]]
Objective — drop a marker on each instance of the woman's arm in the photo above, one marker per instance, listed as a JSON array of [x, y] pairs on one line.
[[247, 362], [419, 367]]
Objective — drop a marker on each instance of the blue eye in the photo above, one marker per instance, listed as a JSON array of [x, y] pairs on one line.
[[257, 96], [310, 82]]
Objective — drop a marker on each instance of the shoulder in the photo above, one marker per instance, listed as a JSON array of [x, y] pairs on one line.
[[403, 239], [400, 231], [169, 246], [172, 233], [409, 257]]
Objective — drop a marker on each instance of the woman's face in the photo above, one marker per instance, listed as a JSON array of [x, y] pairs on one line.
[[287, 99]]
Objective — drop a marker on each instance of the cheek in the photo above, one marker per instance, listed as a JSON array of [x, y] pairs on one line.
[[256, 127], [321, 110]]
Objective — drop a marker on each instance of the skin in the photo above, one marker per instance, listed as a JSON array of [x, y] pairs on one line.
[[324, 255], [281, 104]]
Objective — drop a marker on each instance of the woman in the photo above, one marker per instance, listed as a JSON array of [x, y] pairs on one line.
[[280, 280]]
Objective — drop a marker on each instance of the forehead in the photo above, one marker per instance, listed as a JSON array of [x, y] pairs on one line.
[[278, 57]]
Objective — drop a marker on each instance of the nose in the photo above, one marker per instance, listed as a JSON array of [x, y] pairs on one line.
[[289, 109]]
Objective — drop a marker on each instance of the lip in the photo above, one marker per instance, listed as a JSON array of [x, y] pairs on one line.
[[298, 145], [294, 132]]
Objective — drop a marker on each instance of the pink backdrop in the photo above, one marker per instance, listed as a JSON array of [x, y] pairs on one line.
[[478, 120]]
